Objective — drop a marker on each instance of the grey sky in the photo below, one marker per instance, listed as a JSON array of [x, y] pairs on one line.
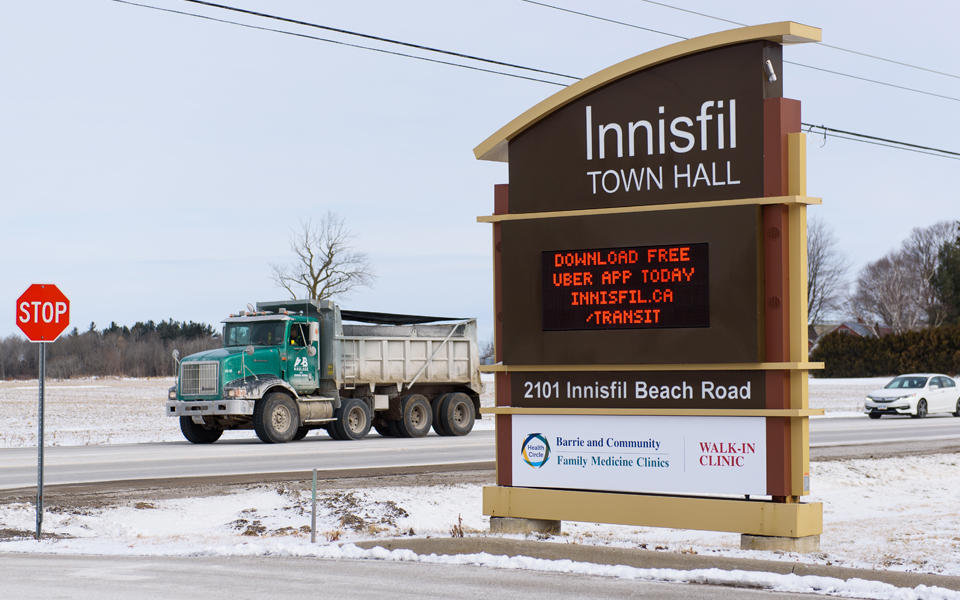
[[154, 164]]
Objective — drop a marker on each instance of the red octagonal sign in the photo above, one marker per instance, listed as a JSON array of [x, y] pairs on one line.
[[43, 312]]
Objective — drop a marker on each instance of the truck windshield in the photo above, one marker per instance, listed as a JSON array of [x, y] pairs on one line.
[[268, 333]]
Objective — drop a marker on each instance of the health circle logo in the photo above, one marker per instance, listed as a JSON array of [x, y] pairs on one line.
[[535, 450]]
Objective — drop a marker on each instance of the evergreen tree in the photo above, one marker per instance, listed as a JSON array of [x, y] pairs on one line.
[[946, 280]]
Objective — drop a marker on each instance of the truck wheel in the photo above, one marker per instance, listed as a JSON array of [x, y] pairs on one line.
[[198, 434], [300, 434], [332, 431], [458, 413], [353, 420], [437, 420], [381, 426], [393, 428], [417, 416], [275, 418]]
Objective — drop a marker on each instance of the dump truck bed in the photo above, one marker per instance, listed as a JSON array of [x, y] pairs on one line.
[[408, 354]]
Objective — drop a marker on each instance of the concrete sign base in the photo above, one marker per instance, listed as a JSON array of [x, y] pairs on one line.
[[801, 545]]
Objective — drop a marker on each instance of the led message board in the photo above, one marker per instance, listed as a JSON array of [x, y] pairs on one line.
[[711, 318], [643, 287]]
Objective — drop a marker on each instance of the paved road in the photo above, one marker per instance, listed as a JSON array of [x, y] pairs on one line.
[[40, 577], [850, 431], [88, 464]]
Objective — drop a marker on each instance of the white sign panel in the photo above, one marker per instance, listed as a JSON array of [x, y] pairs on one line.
[[673, 455]]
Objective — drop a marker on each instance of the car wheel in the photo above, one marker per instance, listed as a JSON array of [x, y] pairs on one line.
[[956, 413], [921, 410], [874, 415]]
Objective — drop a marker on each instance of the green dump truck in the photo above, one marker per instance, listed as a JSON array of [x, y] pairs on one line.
[[291, 366]]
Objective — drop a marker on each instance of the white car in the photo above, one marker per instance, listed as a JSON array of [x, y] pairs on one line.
[[916, 394]]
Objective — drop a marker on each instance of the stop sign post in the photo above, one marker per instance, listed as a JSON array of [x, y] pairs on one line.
[[43, 313]]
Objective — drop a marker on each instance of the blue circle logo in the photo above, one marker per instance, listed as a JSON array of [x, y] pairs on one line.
[[535, 450]]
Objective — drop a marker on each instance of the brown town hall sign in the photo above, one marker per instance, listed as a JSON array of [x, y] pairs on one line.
[[650, 296]]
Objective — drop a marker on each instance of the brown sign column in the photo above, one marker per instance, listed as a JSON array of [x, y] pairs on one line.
[[648, 273]]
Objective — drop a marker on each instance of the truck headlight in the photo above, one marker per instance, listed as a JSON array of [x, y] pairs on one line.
[[237, 393], [172, 393]]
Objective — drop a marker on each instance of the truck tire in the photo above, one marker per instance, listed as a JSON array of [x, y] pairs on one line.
[[382, 427], [437, 420], [458, 414], [353, 420], [276, 418], [393, 429], [198, 434], [300, 434], [332, 431], [417, 416]]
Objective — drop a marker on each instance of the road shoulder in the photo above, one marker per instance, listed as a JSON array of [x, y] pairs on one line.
[[650, 559]]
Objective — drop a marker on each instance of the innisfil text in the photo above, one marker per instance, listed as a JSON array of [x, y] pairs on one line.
[[716, 130]]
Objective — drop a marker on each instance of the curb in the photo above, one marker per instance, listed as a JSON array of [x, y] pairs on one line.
[[650, 559]]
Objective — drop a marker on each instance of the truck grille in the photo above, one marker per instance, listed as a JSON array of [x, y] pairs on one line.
[[199, 378]]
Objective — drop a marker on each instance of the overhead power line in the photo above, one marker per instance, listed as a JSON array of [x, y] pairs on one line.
[[879, 141], [889, 60], [338, 42], [893, 85], [373, 37], [856, 136], [582, 14]]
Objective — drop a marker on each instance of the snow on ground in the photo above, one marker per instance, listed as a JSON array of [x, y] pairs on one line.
[[130, 411], [896, 513], [843, 397], [106, 411]]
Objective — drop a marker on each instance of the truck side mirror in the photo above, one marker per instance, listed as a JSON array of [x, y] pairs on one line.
[[311, 350], [314, 333], [248, 350]]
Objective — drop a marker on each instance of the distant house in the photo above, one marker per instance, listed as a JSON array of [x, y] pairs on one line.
[[858, 328]]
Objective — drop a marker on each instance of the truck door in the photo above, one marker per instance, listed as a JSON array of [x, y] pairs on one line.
[[302, 363]]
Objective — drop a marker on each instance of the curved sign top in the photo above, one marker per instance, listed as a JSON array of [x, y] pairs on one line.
[[494, 148], [681, 124]]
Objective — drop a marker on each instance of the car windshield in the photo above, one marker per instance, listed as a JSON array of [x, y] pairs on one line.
[[907, 382], [263, 333]]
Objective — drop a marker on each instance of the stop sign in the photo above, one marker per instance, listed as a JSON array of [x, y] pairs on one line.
[[43, 312]]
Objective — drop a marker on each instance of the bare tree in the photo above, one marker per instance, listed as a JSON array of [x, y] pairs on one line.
[[898, 289], [326, 264], [486, 348], [887, 292], [923, 249], [827, 270]]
